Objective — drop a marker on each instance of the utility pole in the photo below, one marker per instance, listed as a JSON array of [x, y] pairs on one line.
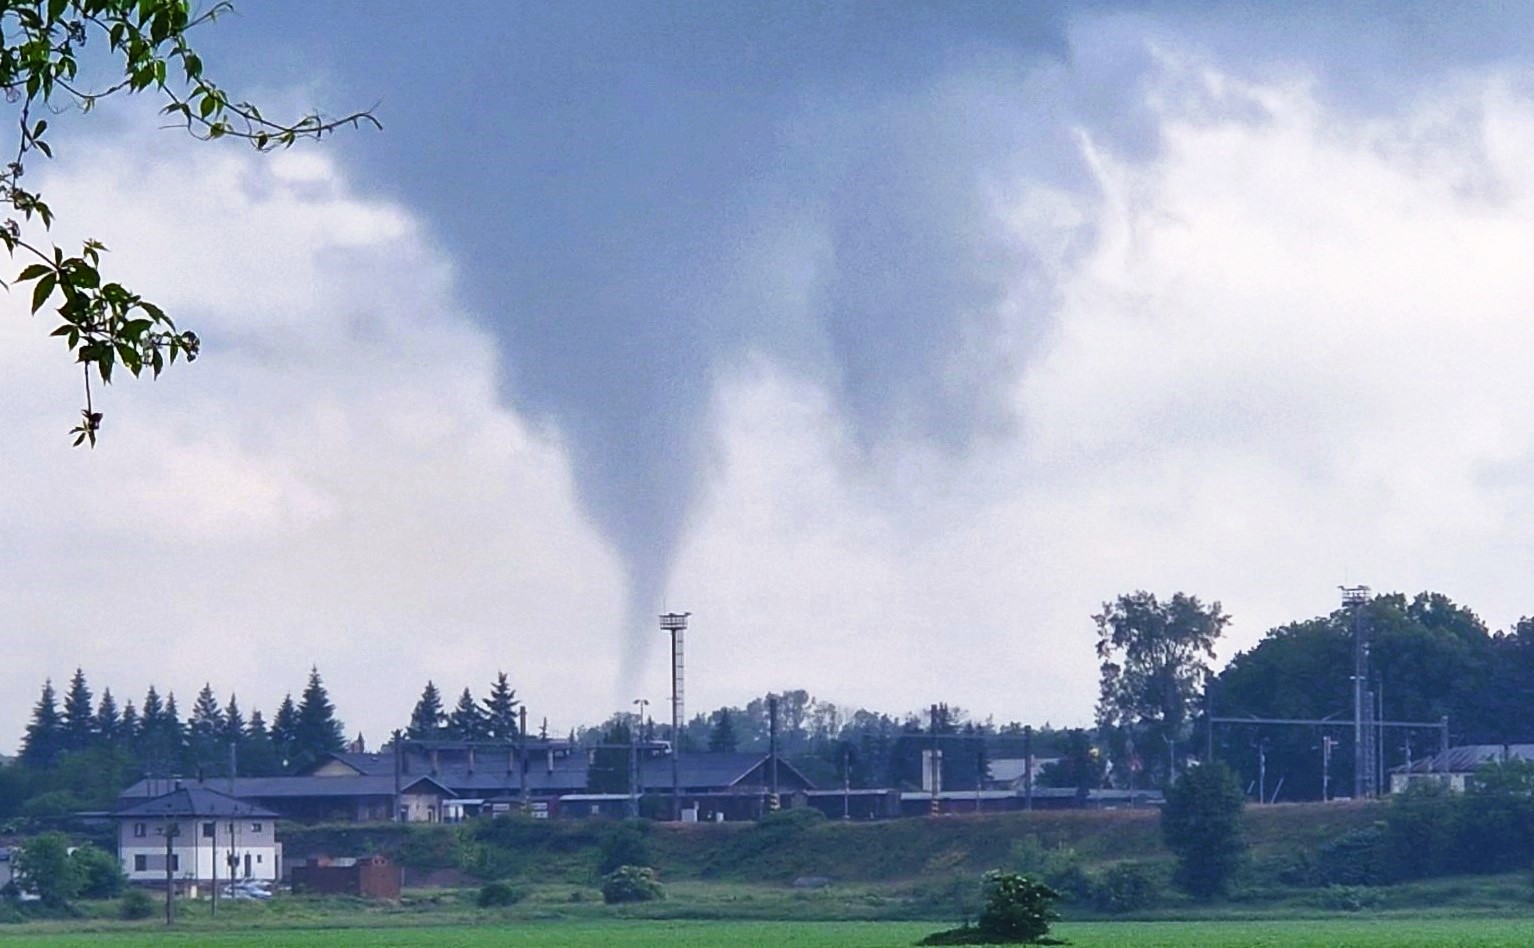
[[172, 830], [1326, 767], [846, 782], [676, 624], [935, 768], [1356, 598], [641, 704], [522, 759], [773, 800], [1028, 766]]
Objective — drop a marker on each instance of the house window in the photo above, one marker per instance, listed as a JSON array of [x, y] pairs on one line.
[[231, 831], [140, 830], [259, 858], [175, 862], [255, 827], [208, 830], [140, 862]]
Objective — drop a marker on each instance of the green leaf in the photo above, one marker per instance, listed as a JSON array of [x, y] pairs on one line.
[[42, 291], [33, 271]]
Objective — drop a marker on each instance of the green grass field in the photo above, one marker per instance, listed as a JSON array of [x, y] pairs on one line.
[[641, 933]]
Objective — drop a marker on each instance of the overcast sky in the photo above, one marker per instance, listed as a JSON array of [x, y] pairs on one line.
[[887, 339]]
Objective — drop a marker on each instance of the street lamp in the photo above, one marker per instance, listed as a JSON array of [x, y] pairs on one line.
[[642, 704], [676, 624]]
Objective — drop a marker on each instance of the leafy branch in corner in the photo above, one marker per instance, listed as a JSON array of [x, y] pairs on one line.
[[103, 323]]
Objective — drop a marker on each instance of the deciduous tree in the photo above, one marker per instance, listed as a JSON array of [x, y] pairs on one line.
[[138, 46]]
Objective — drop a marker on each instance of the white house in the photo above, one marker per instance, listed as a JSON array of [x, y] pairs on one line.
[[205, 837]]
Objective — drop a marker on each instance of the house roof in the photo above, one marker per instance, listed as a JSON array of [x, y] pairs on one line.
[[494, 769], [1467, 757], [716, 770], [193, 802], [260, 788]]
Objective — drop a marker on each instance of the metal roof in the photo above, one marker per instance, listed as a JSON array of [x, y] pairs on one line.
[[193, 802], [1467, 757]]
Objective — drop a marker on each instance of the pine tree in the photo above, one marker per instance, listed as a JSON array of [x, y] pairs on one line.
[[467, 722], [258, 754], [501, 711], [722, 738], [44, 737], [127, 729], [234, 722], [173, 732], [79, 715], [285, 730], [205, 734], [317, 731], [109, 724], [427, 719]]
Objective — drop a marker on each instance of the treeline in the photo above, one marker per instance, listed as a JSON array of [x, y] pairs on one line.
[[830, 743], [1430, 658], [79, 753]]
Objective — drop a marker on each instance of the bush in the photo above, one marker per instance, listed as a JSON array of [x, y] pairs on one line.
[[43, 866], [1201, 823], [431, 847], [625, 844], [497, 894], [99, 875], [632, 884], [1127, 887], [1016, 908], [1420, 831], [1355, 858], [1348, 898], [1058, 866], [136, 905]]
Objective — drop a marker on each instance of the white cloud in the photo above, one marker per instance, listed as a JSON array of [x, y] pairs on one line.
[[334, 482], [1296, 358]]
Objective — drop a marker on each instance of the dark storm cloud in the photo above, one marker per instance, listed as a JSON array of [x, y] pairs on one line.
[[597, 169]]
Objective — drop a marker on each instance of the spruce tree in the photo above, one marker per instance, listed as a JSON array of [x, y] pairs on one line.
[[722, 738], [205, 733], [317, 732], [285, 730], [79, 715], [234, 723], [427, 720], [258, 755], [109, 723], [44, 737], [467, 722], [501, 711], [127, 729]]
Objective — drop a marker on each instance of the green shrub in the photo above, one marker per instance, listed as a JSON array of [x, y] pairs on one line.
[[136, 905], [625, 844], [1420, 831], [431, 847], [1058, 866], [1348, 898], [632, 884], [496, 894], [1127, 887], [99, 874], [1356, 858], [1201, 824], [1016, 907]]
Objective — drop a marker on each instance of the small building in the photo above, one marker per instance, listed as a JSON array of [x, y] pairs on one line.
[[195, 835], [371, 877], [1456, 765], [357, 798]]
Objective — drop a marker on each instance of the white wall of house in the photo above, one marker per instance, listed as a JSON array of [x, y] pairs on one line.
[[194, 849], [421, 807]]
